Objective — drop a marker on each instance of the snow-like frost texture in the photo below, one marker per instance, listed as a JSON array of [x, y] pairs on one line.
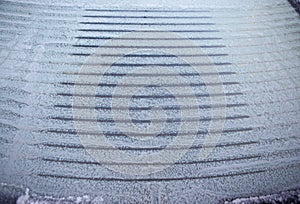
[[24, 198], [30, 199], [290, 197]]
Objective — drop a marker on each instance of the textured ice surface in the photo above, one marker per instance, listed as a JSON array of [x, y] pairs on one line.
[[255, 48], [290, 197]]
